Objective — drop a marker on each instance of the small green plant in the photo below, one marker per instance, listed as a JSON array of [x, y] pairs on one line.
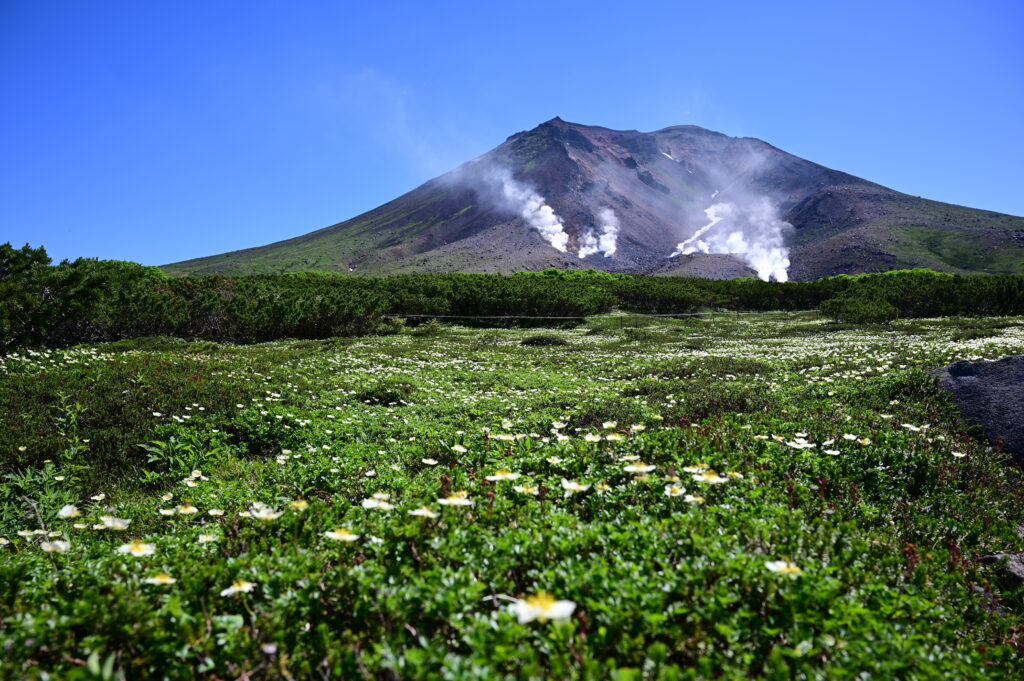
[[66, 423], [183, 452], [387, 392]]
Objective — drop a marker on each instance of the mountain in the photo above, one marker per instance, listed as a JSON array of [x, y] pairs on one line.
[[679, 201]]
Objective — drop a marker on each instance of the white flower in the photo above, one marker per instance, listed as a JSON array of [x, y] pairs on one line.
[[674, 490], [783, 567], [341, 534], [694, 499], [526, 489], [429, 462], [55, 546], [572, 487], [215, 511], [543, 607], [98, 497], [69, 511], [502, 474], [460, 449], [187, 509], [161, 579], [375, 502], [639, 467], [262, 512], [958, 455], [710, 477], [239, 586], [207, 538], [112, 523], [592, 437], [423, 512], [165, 511], [137, 548], [456, 499], [608, 425]]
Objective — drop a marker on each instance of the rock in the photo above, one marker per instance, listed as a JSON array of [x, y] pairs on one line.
[[989, 600], [991, 394], [1011, 575]]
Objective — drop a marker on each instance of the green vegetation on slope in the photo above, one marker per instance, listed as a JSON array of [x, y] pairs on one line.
[[983, 252]]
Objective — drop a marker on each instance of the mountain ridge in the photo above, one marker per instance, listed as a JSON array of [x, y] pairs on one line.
[[568, 195]]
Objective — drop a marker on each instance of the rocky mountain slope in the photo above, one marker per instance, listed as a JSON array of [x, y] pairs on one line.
[[679, 201]]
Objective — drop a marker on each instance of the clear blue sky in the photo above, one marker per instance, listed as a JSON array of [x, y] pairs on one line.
[[157, 131]]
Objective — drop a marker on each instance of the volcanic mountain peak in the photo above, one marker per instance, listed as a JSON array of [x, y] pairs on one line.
[[680, 200]]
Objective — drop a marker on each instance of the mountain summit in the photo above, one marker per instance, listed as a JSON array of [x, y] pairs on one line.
[[683, 200]]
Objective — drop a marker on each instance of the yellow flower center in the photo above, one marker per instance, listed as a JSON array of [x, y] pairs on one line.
[[543, 601]]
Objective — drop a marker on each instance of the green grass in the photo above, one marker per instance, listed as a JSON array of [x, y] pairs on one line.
[[887, 528]]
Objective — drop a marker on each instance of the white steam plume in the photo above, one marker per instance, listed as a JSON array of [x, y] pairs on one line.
[[532, 207], [588, 244], [591, 243], [751, 230]]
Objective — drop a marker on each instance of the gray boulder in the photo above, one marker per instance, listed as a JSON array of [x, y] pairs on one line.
[[1011, 568], [991, 394]]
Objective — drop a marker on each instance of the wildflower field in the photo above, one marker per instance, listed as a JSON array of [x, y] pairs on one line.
[[747, 496]]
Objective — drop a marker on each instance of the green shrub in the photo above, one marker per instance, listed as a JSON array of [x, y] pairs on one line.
[[544, 339], [90, 300], [427, 329], [859, 310]]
